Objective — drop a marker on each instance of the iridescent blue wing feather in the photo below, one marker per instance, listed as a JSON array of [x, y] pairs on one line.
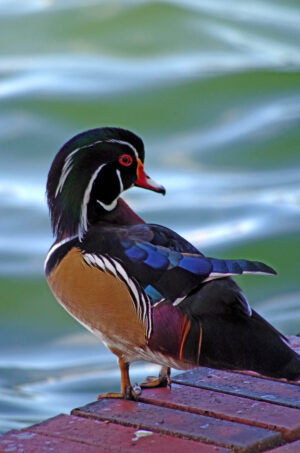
[[165, 272]]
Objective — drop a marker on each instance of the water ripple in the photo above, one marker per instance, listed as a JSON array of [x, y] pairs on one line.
[[240, 126], [255, 11], [213, 88], [68, 75]]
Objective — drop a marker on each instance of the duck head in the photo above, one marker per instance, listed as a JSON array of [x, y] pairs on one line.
[[89, 173]]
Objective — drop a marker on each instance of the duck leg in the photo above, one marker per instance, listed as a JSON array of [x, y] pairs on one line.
[[163, 379], [127, 391]]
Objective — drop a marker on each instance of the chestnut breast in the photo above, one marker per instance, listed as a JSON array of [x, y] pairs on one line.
[[98, 300]]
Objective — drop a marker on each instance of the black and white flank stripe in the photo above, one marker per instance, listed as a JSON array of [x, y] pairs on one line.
[[140, 299]]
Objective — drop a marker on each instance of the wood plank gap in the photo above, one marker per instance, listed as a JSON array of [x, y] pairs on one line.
[[209, 430], [265, 378], [228, 382], [158, 430], [250, 397], [246, 415]]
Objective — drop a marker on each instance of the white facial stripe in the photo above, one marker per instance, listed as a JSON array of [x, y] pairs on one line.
[[108, 207], [86, 199], [121, 142], [113, 204], [65, 171], [120, 180], [67, 167]]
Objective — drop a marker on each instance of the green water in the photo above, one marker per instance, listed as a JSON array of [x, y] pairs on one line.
[[213, 88]]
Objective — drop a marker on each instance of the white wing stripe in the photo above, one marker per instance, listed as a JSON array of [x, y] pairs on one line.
[[215, 275], [178, 300], [109, 266], [94, 260], [140, 299], [121, 271]]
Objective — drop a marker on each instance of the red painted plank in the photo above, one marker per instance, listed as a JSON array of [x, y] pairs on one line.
[[181, 424], [294, 447], [252, 373], [117, 437], [294, 343], [277, 392], [26, 442], [227, 407]]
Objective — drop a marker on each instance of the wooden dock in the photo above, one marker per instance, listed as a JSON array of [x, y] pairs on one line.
[[206, 411]]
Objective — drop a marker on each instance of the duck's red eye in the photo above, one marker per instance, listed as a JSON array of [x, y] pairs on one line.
[[125, 160]]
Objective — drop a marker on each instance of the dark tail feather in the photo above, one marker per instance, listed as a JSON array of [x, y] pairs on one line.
[[212, 328], [235, 267], [247, 343], [292, 369]]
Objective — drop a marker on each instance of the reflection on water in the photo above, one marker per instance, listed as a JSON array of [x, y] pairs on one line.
[[213, 87]]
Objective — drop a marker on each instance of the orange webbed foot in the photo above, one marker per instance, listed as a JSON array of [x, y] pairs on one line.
[[130, 393], [127, 391], [163, 379]]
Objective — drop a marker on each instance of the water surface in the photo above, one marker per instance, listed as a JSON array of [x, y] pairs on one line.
[[213, 88]]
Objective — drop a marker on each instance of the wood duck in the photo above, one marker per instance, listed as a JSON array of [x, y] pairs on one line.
[[145, 291]]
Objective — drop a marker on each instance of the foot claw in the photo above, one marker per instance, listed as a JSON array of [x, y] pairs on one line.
[[163, 379], [152, 382], [136, 391], [110, 395], [129, 393], [169, 382]]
